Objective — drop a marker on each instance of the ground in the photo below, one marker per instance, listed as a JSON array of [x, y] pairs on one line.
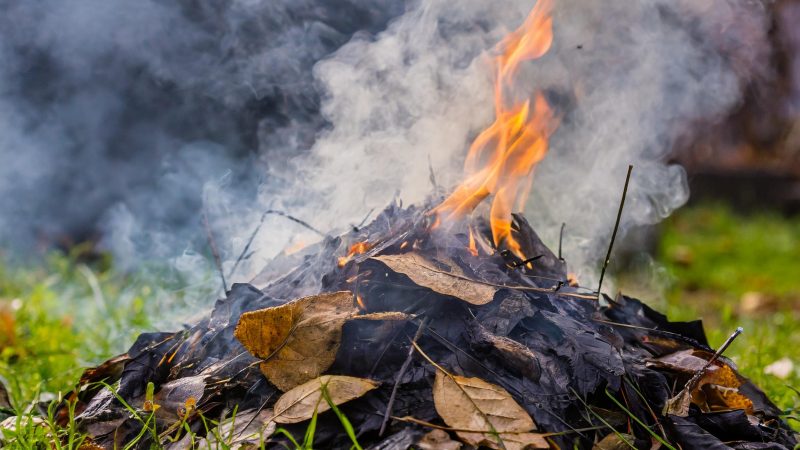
[[62, 314]]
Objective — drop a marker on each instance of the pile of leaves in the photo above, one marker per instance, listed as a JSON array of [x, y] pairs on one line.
[[401, 334]]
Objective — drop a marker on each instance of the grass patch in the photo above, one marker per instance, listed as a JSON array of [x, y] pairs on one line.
[[61, 315]]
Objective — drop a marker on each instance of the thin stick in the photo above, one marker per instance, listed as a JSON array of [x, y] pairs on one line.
[[431, 175], [258, 228], [614, 233], [214, 251], [690, 384], [560, 240], [400, 374]]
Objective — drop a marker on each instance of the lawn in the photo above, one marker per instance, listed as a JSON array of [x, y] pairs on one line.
[[62, 314]]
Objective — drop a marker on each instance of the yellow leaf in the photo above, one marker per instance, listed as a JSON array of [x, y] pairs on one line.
[[299, 340], [300, 403]]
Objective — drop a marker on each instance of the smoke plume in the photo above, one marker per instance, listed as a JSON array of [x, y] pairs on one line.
[[128, 116]]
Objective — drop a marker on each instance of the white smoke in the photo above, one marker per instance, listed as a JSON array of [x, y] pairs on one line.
[[630, 78]]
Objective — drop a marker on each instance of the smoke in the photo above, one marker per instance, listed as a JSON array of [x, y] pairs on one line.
[[114, 115], [628, 78], [126, 117]]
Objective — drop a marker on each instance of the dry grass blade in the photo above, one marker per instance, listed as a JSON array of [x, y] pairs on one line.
[[442, 276], [299, 340], [300, 403]]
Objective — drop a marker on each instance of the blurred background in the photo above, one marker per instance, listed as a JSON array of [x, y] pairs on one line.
[[70, 295]]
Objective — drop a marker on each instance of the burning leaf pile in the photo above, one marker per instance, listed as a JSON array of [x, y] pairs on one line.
[[419, 342], [434, 328]]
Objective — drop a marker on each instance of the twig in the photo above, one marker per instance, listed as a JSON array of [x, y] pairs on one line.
[[690, 384], [431, 175], [518, 264], [400, 374], [614, 233], [357, 228], [258, 228], [212, 244], [560, 240]]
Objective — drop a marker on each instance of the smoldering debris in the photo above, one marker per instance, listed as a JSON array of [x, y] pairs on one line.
[[415, 331]]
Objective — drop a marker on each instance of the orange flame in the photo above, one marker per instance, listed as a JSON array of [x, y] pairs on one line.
[[355, 249], [501, 159]]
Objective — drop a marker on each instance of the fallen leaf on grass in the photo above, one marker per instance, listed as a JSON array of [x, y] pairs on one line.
[[473, 404], [300, 403], [442, 276], [298, 340]]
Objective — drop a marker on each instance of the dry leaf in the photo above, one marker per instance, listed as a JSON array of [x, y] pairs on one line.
[[716, 390], [442, 276], [438, 440], [473, 404], [298, 340], [246, 430], [300, 403]]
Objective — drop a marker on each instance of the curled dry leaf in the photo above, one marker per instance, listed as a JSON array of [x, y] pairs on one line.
[[467, 404], [717, 389], [442, 276], [298, 340], [299, 404]]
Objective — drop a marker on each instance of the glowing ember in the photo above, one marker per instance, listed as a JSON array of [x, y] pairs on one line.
[[361, 304], [501, 160], [473, 248], [355, 249]]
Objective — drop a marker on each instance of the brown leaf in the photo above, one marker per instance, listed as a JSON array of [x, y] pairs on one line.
[[300, 403], [298, 340], [442, 276], [473, 404], [245, 430], [438, 440], [717, 389], [176, 397]]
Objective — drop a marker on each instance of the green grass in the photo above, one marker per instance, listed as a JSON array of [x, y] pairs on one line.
[[60, 315], [732, 270]]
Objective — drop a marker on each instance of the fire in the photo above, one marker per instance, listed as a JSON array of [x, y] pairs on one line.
[[355, 249], [473, 249], [501, 160]]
